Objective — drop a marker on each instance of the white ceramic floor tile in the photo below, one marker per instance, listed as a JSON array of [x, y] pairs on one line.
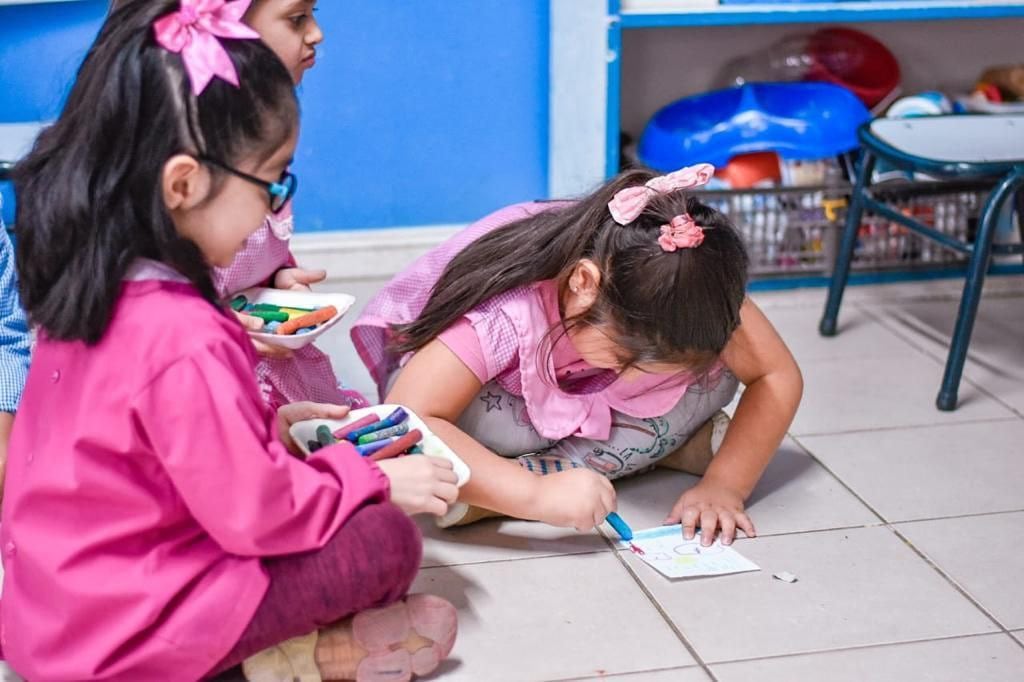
[[859, 334], [552, 618], [996, 353], [992, 658], [921, 473], [855, 587], [674, 675], [983, 555], [502, 539], [795, 494], [841, 394]]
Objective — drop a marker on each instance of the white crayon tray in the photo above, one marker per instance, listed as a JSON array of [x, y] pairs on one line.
[[297, 299], [305, 431]]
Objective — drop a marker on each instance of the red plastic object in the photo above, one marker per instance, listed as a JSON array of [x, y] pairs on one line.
[[750, 170], [855, 61]]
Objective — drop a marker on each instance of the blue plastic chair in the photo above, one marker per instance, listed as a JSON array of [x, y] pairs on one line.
[[979, 147]]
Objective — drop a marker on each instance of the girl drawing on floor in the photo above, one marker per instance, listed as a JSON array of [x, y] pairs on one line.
[[558, 346], [156, 523]]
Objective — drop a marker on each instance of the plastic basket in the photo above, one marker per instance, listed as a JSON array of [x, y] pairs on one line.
[[795, 231]]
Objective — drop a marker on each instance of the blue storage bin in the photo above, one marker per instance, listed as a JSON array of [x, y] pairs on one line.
[[795, 120]]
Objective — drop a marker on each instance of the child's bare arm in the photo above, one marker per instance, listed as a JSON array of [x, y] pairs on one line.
[[438, 387], [759, 358]]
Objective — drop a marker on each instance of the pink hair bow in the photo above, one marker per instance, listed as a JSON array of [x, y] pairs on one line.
[[627, 204], [193, 32], [681, 233]]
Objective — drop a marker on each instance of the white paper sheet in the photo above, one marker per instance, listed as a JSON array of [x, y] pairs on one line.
[[665, 549]]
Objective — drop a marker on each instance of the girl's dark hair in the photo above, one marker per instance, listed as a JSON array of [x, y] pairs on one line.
[[89, 197], [676, 307]]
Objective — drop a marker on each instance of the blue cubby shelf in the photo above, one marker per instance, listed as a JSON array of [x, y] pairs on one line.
[[666, 16]]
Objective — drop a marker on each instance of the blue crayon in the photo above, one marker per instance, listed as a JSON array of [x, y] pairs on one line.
[[399, 430], [393, 419], [620, 526], [370, 448]]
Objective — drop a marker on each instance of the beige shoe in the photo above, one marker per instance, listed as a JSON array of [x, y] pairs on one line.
[[694, 456], [462, 514], [293, 660]]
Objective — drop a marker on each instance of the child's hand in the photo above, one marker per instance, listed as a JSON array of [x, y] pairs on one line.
[[710, 506], [578, 498], [299, 412], [421, 484], [254, 324], [298, 279]]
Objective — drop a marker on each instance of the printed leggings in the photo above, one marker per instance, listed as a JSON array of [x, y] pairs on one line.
[[499, 421]]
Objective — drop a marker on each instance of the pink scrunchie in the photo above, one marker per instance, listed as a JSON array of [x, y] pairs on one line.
[[681, 233]]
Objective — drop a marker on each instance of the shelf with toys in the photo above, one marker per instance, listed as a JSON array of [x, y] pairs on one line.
[[668, 13], [618, 65]]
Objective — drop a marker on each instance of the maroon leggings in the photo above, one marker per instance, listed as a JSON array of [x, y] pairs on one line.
[[370, 562]]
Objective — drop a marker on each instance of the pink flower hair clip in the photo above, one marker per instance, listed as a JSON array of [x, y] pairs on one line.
[[681, 233], [627, 204], [193, 32]]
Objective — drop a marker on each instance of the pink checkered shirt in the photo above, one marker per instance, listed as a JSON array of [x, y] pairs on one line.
[[405, 296], [307, 374]]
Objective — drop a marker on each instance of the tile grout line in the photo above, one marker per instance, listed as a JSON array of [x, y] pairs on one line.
[[862, 647], [892, 528], [661, 611], [949, 579], [940, 360], [612, 676], [904, 427]]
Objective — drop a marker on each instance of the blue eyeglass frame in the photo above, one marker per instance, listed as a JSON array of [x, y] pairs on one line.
[[280, 192]]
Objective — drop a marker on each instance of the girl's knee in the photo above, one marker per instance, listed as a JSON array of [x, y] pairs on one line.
[[394, 546]]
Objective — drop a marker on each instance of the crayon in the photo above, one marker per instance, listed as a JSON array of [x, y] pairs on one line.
[[269, 307], [296, 312], [393, 419], [313, 318], [238, 303], [271, 327], [399, 446], [313, 446], [370, 448], [357, 424], [324, 435], [399, 430], [620, 526], [268, 315]]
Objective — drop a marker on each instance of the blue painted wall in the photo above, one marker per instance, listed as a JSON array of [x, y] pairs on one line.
[[425, 112]]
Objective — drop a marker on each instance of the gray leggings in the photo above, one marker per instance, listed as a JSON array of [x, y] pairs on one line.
[[498, 420]]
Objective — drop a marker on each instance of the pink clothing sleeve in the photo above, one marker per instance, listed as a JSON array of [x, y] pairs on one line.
[[243, 486], [461, 339]]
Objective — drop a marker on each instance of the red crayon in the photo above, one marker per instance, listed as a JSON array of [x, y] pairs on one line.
[[357, 424], [399, 446]]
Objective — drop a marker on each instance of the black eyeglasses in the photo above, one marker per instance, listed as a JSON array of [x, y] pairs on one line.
[[280, 192]]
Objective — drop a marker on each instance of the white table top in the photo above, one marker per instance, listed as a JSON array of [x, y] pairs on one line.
[[966, 139]]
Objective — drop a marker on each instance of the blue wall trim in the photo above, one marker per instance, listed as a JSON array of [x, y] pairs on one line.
[[426, 112]]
